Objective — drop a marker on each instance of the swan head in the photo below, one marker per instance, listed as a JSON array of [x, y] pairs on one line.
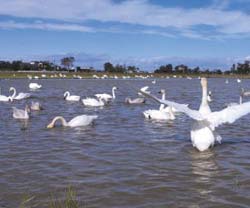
[[204, 82], [162, 91], [50, 125], [11, 89], [115, 88], [66, 94], [127, 100]]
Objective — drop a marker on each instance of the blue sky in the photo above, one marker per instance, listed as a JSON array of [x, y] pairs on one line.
[[146, 33]]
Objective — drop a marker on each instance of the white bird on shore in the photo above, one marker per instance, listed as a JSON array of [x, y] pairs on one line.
[[34, 86], [106, 96], [203, 133], [93, 102], [20, 96], [82, 120], [69, 97], [20, 113]]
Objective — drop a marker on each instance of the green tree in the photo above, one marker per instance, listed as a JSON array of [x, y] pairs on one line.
[[67, 62]]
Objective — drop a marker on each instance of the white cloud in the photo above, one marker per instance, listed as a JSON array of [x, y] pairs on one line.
[[44, 26], [142, 12]]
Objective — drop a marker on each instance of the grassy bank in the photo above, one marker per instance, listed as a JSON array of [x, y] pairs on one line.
[[85, 75]]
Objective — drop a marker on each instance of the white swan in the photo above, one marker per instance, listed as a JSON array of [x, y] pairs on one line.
[[203, 133], [135, 101], [93, 102], [21, 114], [36, 106], [167, 109], [4, 98], [20, 96], [106, 96], [160, 114], [34, 86], [69, 97], [239, 80], [82, 120]]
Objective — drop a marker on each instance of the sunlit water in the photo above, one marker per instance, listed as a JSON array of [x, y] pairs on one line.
[[122, 160]]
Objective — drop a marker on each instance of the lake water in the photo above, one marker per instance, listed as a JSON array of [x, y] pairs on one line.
[[122, 160]]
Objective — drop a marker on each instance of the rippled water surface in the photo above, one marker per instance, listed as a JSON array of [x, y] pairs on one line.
[[122, 160]]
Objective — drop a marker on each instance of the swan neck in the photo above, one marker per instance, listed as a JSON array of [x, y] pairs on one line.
[[240, 99], [171, 113], [113, 93], [64, 122], [14, 92], [163, 97], [204, 94]]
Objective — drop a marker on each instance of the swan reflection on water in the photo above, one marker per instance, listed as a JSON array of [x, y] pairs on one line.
[[204, 170]]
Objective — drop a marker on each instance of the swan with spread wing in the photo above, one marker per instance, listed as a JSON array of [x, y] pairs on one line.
[[203, 134]]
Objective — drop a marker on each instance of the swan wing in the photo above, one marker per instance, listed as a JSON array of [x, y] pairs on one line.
[[194, 114], [228, 115], [19, 113]]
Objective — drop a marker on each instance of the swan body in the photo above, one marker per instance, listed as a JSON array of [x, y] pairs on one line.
[[34, 86], [93, 102], [239, 80], [158, 115], [4, 98], [69, 97], [135, 101], [20, 96], [203, 134], [21, 114], [106, 96], [35, 106], [82, 120]]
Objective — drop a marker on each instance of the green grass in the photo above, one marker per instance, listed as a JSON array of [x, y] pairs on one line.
[[69, 200]]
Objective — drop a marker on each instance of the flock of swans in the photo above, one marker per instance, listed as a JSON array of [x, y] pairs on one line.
[[203, 131], [203, 134]]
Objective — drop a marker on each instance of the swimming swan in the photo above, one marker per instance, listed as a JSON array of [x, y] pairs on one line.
[[34, 86], [93, 102], [21, 114], [36, 106], [160, 114], [106, 96], [20, 96], [203, 133], [69, 97], [82, 120], [135, 101]]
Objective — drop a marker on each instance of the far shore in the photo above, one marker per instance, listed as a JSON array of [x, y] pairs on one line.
[[89, 75]]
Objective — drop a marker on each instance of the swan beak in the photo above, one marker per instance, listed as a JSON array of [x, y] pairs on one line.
[[50, 126]]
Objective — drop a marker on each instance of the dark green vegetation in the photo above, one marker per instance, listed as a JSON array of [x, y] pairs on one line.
[[67, 65]]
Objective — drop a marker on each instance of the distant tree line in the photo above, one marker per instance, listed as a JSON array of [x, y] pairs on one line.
[[67, 64], [108, 67]]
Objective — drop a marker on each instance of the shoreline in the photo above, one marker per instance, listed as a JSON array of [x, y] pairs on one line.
[[105, 75]]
